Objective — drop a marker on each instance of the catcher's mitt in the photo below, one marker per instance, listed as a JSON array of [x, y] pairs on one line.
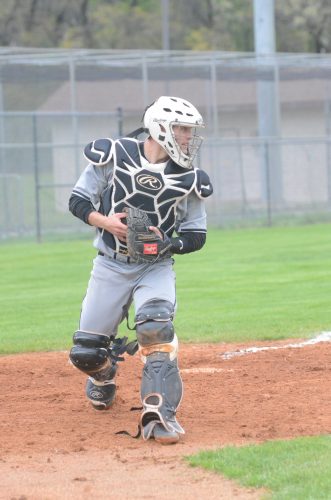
[[143, 244]]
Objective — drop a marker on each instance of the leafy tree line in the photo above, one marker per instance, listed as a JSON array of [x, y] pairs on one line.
[[226, 25]]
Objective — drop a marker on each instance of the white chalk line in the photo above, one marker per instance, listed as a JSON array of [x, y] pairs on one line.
[[322, 337]]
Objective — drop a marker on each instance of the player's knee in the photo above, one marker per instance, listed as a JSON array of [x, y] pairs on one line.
[[154, 322], [155, 332], [89, 353], [155, 329]]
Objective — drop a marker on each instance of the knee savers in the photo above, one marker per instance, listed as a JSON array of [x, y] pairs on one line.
[[155, 330], [90, 353]]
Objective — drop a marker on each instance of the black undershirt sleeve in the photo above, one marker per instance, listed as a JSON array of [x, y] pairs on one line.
[[188, 242], [80, 207]]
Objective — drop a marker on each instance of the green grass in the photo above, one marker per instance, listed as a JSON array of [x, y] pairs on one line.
[[42, 287], [257, 284], [299, 469], [247, 284]]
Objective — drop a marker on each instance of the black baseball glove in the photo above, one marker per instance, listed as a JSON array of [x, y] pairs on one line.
[[142, 243]]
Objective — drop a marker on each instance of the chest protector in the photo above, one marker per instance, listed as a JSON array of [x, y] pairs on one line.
[[156, 189]]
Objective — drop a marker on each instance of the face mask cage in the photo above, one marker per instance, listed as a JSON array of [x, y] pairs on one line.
[[185, 147]]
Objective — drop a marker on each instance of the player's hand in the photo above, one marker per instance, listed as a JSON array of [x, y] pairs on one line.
[[156, 231], [116, 226], [112, 223]]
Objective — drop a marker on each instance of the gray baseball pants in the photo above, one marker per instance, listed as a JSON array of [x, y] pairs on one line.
[[114, 284]]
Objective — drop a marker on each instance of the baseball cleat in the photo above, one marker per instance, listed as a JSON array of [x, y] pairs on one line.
[[163, 436], [100, 394]]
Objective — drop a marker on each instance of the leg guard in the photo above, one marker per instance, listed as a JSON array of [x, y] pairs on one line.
[[161, 393], [155, 331], [161, 385], [91, 355]]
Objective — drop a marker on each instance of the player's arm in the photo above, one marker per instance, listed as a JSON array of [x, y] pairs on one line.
[[111, 223], [191, 226], [80, 207], [86, 196], [94, 180], [192, 219], [188, 242], [84, 210], [185, 243]]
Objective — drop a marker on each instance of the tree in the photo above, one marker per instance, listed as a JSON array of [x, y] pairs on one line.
[[304, 25], [225, 25]]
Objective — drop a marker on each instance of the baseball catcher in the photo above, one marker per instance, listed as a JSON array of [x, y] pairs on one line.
[[146, 200]]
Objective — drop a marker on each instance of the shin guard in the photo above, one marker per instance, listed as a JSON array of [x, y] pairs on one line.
[[161, 393]]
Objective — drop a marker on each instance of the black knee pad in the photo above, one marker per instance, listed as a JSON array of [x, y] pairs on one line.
[[90, 353], [154, 322]]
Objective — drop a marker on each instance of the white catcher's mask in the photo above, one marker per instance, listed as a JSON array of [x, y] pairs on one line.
[[163, 115]]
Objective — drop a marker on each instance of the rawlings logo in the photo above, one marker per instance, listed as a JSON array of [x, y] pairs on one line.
[[150, 248], [149, 181], [96, 394]]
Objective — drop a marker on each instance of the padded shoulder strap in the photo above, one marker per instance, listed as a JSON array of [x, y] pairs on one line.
[[203, 186], [99, 152]]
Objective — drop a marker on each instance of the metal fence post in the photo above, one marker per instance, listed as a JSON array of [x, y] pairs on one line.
[[328, 145], [120, 121], [73, 109], [268, 181], [144, 81], [36, 177], [213, 88], [5, 210]]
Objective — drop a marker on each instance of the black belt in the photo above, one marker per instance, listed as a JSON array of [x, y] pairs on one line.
[[116, 256]]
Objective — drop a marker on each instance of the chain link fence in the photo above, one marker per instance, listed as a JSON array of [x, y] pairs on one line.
[[269, 164]]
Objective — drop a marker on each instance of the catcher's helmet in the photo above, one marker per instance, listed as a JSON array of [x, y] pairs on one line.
[[163, 115]]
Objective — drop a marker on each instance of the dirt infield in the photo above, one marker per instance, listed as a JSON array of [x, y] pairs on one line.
[[54, 446]]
